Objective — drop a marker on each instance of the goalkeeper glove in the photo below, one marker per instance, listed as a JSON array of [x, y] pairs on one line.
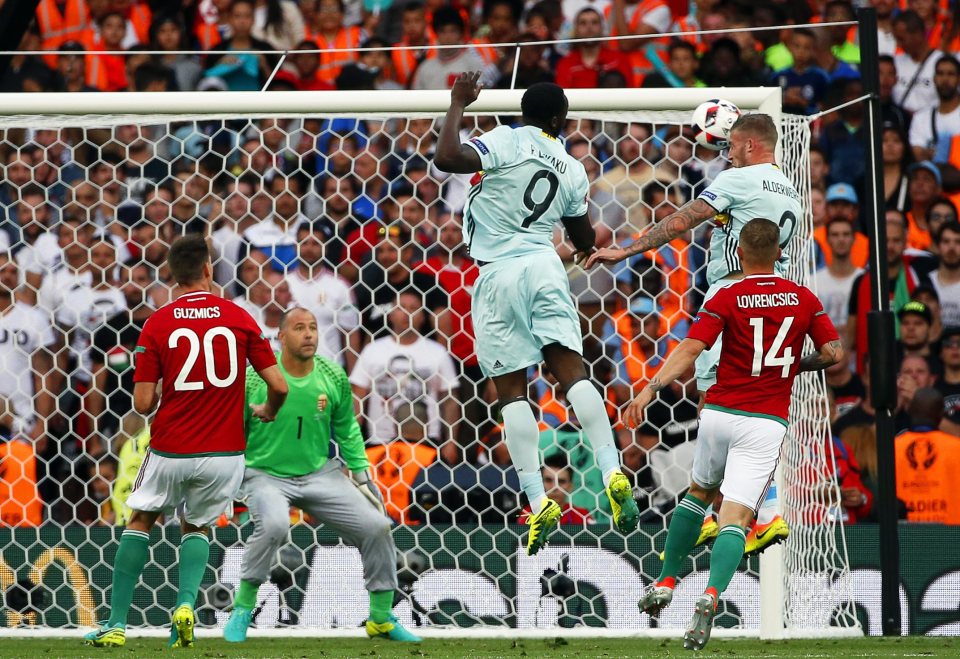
[[368, 488]]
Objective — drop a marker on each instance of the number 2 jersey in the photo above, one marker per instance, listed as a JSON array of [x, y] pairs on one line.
[[527, 184], [764, 320], [199, 345], [739, 195]]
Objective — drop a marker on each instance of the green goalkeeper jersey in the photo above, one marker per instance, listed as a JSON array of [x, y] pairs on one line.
[[319, 407]]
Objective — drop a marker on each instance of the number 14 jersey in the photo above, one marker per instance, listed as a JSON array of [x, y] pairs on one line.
[[528, 183], [198, 345], [764, 320]]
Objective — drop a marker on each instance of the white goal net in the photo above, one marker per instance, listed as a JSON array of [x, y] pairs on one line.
[[330, 201]]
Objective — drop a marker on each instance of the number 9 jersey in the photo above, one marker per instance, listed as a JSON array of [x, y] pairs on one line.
[[199, 345], [528, 183]]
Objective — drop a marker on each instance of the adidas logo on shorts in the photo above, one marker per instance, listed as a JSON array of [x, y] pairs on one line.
[[497, 364]]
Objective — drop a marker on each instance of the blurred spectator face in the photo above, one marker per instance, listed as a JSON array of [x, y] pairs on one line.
[[884, 7], [338, 194], [157, 206], [407, 316], [588, 24], [9, 277], [271, 290], [893, 146], [18, 171], [72, 67], [840, 238], [272, 134], [306, 65], [714, 20], [918, 369], [413, 24], [945, 79], [940, 213], [342, 152], [888, 78], [646, 328], [679, 149], [449, 35], [425, 186], [251, 267], [75, 240], [801, 47], [580, 150], [896, 238], [412, 211], [558, 484], [375, 59], [112, 30], [818, 206], [661, 205], [310, 246], [33, 212], [926, 9], [949, 248], [949, 350], [451, 234], [145, 235], [819, 169], [329, 16], [531, 57], [287, 206], [537, 25], [838, 13], [914, 331], [241, 19], [683, 62], [842, 209], [254, 157], [631, 145], [387, 252], [501, 22], [136, 285], [169, 36], [366, 166], [261, 205], [103, 258], [911, 42], [923, 187]]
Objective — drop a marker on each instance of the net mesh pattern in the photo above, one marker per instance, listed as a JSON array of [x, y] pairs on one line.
[[338, 214]]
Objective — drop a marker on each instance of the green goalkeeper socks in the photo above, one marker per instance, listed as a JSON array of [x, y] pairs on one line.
[[246, 597], [381, 605], [128, 564], [682, 535], [194, 553], [726, 556]]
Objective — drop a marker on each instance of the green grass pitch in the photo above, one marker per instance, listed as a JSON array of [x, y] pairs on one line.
[[916, 646]]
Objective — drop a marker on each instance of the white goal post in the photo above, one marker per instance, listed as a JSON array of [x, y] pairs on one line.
[[802, 589]]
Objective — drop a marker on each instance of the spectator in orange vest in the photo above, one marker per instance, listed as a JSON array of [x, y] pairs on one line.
[[843, 204], [108, 72], [925, 185], [702, 18], [331, 33], [415, 32], [928, 461], [641, 17], [635, 342], [72, 66], [835, 282], [589, 60], [20, 503]]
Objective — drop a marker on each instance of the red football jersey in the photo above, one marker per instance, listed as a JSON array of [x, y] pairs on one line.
[[764, 320], [198, 345]]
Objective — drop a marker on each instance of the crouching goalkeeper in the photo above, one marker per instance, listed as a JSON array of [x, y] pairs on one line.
[[286, 465]]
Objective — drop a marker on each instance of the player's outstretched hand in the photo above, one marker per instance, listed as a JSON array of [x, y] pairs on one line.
[[466, 88], [633, 416], [263, 412], [606, 255]]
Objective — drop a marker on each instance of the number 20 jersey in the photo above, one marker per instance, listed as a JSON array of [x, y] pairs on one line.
[[739, 195], [528, 183], [198, 345], [764, 320]]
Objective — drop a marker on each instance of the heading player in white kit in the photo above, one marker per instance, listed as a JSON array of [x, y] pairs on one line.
[[522, 310], [754, 187]]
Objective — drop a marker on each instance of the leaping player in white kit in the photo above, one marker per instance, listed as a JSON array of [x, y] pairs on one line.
[[522, 309], [753, 187], [764, 320]]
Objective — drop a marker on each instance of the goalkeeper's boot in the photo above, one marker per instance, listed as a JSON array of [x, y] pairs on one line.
[[656, 599], [708, 533], [698, 631], [391, 630], [181, 635], [542, 525], [626, 514], [107, 637], [238, 624], [762, 536]]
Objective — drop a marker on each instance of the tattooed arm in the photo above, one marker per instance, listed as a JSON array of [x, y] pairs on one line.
[[829, 354], [690, 215], [679, 361]]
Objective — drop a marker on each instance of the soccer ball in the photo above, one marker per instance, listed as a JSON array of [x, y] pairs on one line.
[[712, 121]]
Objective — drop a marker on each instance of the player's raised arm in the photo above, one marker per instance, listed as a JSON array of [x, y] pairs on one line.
[[680, 359], [690, 215], [453, 156]]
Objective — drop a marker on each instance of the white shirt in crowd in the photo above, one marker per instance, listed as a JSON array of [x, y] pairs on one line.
[[923, 94], [23, 330], [949, 295], [329, 299], [922, 135], [40, 257], [271, 334], [74, 304], [834, 293], [396, 373]]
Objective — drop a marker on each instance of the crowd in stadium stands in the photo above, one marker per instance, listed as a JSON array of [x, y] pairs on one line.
[[349, 219]]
